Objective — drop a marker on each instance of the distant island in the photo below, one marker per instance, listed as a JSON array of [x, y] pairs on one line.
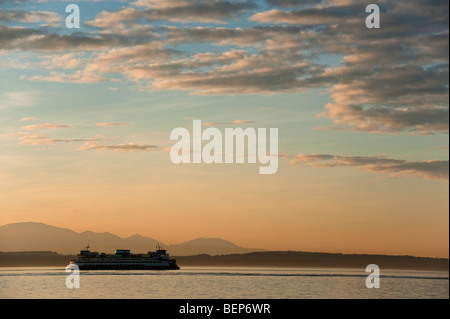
[[254, 259]]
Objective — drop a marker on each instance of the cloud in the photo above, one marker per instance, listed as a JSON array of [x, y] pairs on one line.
[[128, 61], [111, 124], [292, 3], [230, 72], [214, 11], [393, 79], [77, 77], [241, 73], [106, 19], [310, 16], [130, 147], [157, 4], [242, 122], [44, 126], [235, 122], [241, 37], [41, 139], [24, 119], [433, 169], [49, 18], [204, 11], [419, 105], [62, 61], [20, 38], [17, 1]]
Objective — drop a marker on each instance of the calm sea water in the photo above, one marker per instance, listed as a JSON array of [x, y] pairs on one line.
[[215, 282]]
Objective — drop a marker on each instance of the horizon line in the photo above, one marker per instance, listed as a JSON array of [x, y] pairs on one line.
[[261, 249]]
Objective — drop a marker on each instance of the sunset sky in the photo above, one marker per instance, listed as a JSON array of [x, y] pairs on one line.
[[362, 115]]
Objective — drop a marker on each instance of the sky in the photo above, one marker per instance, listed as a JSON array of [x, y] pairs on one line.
[[362, 115]]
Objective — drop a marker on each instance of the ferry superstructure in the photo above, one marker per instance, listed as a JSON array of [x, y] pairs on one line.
[[124, 259]]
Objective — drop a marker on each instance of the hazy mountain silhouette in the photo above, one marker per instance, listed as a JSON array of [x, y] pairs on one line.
[[31, 236]]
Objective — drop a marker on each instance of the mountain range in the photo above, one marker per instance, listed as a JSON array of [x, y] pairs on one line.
[[32, 236]]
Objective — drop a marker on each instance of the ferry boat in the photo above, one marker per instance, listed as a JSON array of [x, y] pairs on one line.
[[124, 259]]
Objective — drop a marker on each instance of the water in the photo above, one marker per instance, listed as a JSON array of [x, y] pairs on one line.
[[221, 282]]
